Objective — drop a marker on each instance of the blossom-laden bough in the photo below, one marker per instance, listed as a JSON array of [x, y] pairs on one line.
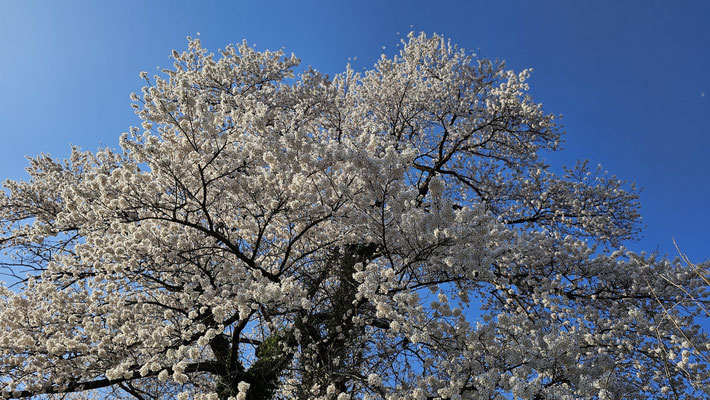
[[273, 234]]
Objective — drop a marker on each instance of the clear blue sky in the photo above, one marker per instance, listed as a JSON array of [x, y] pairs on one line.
[[632, 78]]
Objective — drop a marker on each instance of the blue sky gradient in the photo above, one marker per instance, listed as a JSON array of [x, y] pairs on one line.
[[632, 78]]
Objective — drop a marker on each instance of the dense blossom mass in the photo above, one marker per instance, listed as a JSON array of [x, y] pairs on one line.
[[273, 232]]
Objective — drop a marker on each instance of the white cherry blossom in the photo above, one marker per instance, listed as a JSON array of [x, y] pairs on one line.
[[270, 233]]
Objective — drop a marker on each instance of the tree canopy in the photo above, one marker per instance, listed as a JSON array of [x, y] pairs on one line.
[[271, 232]]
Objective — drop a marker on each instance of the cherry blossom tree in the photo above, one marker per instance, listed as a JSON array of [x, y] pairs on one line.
[[392, 234]]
